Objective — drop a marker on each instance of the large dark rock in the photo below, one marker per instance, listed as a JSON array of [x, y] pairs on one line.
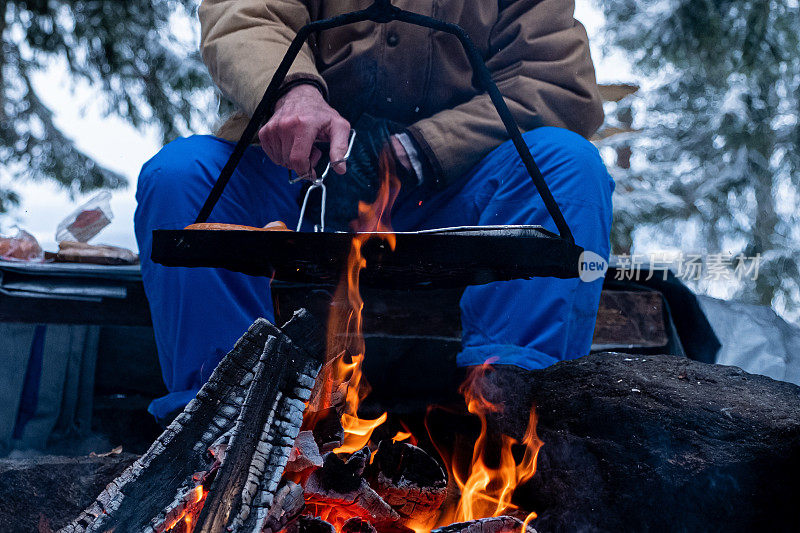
[[659, 443], [44, 493]]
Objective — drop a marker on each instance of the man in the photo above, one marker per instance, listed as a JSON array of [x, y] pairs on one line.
[[457, 168]]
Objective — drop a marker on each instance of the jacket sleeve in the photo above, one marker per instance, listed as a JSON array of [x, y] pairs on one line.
[[243, 41], [539, 58]]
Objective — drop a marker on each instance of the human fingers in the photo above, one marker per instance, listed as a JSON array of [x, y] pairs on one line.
[[316, 155], [300, 147], [270, 142], [338, 133]]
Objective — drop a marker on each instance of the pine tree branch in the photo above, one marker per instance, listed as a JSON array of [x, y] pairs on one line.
[[59, 158], [3, 13]]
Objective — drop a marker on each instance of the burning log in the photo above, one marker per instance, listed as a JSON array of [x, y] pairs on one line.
[[307, 524], [252, 407], [288, 505], [338, 485], [409, 480], [497, 524], [357, 525]]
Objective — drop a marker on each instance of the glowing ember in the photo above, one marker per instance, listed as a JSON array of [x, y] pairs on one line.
[[185, 520]]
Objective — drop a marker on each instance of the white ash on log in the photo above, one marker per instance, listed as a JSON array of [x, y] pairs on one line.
[[256, 395], [408, 479], [305, 453], [289, 503], [498, 524]]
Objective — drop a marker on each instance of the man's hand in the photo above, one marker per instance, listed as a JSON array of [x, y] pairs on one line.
[[302, 117]]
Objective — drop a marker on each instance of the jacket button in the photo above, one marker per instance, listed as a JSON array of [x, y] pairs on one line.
[[392, 39]]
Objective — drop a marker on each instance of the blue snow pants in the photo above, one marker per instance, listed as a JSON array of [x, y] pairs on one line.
[[199, 313]]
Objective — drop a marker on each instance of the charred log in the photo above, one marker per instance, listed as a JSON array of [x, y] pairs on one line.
[[408, 479], [263, 436], [338, 475], [165, 476], [328, 431], [498, 524], [357, 525], [305, 454], [288, 505], [338, 484], [306, 524]]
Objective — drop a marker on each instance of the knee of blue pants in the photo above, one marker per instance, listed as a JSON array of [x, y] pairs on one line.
[[572, 168], [534, 323], [173, 184], [176, 182]]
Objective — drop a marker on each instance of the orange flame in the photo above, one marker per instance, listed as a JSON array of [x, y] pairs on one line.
[[487, 490], [343, 385], [342, 376], [190, 512], [401, 436]]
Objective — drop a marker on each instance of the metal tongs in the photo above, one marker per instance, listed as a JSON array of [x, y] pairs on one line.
[[319, 183]]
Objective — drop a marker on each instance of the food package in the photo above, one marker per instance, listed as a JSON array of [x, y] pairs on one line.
[[80, 252], [86, 221], [21, 247]]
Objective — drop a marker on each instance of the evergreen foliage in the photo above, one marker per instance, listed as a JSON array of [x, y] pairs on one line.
[[719, 166], [126, 49]]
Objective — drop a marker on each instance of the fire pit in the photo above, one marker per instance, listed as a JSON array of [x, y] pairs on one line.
[[632, 443], [273, 442]]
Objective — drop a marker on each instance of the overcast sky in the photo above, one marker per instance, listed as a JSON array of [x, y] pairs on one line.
[[120, 147]]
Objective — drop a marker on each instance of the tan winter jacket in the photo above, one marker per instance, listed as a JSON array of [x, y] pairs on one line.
[[537, 52]]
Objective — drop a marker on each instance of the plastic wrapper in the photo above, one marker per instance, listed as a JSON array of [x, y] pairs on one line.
[[21, 247], [86, 221]]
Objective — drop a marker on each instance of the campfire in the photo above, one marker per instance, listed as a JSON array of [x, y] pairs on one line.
[[274, 441]]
